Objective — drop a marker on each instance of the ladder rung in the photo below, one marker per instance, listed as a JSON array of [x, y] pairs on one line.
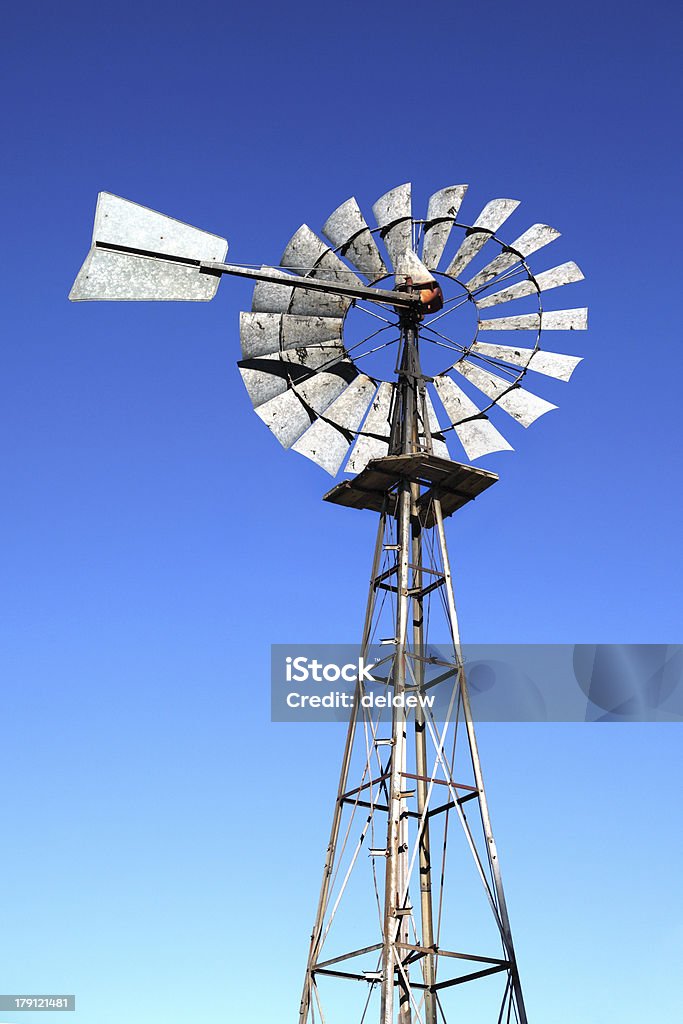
[[376, 851]]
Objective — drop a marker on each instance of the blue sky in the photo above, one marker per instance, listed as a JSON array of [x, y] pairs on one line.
[[159, 829]]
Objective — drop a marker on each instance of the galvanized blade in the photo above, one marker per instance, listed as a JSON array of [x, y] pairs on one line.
[[565, 273], [477, 436], [286, 416], [347, 411], [328, 440], [309, 256], [373, 442], [269, 375], [262, 385], [443, 204], [557, 320], [537, 236], [289, 414], [393, 213], [522, 405], [123, 277], [279, 298], [408, 265], [489, 220], [309, 303], [303, 251], [271, 298], [264, 333], [313, 356], [552, 364], [347, 229]]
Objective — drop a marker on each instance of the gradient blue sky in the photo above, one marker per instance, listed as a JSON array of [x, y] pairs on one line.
[[158, 829]]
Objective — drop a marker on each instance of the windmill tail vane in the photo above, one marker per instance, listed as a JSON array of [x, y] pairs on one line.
[[183, 263], [411, 923]]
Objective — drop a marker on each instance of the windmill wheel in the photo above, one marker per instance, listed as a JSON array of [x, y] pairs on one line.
[[317, 388]]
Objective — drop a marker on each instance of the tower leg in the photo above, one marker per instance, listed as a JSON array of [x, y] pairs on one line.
[[422, 770], [316, 934], [394, 926], [476, 767]]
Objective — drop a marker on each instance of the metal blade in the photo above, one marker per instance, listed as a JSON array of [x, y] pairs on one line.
[[558, 320], [271, 298], [409, 265], [122, 277], [309, 256], [549, 363], [305, 303], [303, 251], [290, 413], [565, 273], [522, 405], [531, 241], [262, 385], [327, 441], [439, 446], [443, 204], [279, 298], [263, 333], [271, 375], [489, 220], [477, 436], [378, 423], [121, 222], [393, 213], [313, 356], [347, 229]]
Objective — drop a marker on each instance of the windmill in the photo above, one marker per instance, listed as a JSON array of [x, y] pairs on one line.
[[388, 398]]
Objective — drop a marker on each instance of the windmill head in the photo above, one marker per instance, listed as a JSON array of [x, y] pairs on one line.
[[163, 266], [307, 374]]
